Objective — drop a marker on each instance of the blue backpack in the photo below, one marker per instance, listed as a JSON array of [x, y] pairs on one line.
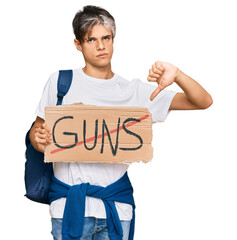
[[38, 174]]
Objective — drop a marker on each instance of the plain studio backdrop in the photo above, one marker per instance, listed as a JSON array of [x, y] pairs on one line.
[[188, 190]]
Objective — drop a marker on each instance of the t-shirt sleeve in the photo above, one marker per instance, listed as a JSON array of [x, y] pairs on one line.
[[159, 107], [49, 95]]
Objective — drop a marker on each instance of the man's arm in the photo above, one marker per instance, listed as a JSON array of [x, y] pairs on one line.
[[194, 95], [40, 135]]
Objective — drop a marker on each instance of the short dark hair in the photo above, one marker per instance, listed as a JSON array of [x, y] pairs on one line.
[[90, 16]]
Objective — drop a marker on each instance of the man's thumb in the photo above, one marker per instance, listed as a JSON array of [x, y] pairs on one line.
[[155, 93]]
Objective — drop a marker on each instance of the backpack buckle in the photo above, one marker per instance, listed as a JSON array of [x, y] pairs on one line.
[[60, 95]]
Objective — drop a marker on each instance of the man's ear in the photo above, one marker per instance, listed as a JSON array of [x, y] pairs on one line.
[[78, 45]]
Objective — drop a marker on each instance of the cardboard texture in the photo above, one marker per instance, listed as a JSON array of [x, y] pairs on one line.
[[88, 133]]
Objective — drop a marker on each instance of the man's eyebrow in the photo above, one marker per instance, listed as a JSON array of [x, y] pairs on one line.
[[87, 38], [94, 38], [109, 35]]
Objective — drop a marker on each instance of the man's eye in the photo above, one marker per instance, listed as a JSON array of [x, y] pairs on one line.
[[106, 37], [90, 40]]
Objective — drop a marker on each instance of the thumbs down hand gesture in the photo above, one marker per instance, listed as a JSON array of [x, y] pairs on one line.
[[164, 74]]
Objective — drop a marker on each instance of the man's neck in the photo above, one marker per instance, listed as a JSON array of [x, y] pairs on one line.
[[95, 72]]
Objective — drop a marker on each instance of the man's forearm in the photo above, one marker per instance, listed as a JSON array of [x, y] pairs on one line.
[[193, 90]]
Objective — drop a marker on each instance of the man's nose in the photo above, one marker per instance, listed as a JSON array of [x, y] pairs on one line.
[[100, 45]]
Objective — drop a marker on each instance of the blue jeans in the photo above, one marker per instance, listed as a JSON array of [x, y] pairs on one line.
[[94, 229]]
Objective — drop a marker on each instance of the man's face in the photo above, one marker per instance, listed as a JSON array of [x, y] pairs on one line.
[[97, 47]]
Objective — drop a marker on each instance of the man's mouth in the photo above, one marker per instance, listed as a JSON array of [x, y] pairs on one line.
[[102, 55]]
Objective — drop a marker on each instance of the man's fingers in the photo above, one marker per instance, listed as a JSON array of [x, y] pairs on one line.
[[41, 130], [42, 140], [153, 75], [47, 128], [156, 70], [151, 79], [43, 135], [159, 66], [155, 93]]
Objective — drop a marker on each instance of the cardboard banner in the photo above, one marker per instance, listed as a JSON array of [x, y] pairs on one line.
[[88, 133]]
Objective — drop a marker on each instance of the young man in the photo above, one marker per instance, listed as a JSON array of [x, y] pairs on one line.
[[96, 84]]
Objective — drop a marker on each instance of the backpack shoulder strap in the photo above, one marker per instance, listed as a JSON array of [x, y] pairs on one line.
[[64, 83]]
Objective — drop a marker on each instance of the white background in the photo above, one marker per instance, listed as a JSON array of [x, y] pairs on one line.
[[188, 191]]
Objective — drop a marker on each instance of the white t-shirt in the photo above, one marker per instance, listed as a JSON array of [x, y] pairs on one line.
[[101, 92]]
